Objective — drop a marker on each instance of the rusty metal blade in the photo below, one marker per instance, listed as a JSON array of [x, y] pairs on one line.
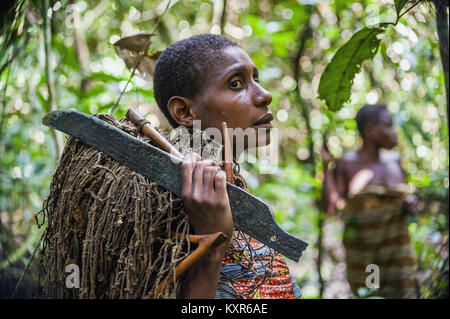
[[250, 214]]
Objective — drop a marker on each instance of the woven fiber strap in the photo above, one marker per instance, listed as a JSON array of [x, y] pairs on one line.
[[141, 123]]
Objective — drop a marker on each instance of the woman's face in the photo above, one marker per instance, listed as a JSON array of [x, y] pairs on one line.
[[383, 133], [231, 93]]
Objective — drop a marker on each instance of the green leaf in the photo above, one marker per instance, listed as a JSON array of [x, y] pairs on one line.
[[337, 79], [399, 4]]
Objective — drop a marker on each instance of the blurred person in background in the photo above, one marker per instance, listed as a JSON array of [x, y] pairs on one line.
[[368, 186]]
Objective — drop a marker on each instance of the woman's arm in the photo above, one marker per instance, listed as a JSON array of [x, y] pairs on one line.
[[411, 202], [334, 186], [206, 201]]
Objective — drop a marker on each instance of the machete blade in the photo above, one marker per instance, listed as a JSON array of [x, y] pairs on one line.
[[250, 214]]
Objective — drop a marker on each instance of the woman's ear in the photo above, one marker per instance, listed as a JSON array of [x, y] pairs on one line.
[[370, 130], [180, 108]]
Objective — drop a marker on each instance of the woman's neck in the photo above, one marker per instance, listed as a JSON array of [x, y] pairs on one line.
[[370, 152]]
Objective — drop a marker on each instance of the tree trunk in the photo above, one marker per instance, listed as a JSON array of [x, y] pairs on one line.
[[442, 31], [305, 34]]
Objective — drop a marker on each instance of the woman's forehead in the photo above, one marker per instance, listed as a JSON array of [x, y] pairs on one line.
[[233, 59], [385, 115], [236, 54], [230, 61]]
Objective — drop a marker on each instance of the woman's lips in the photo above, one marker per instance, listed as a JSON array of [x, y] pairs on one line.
[[267, 125], [264, 121]]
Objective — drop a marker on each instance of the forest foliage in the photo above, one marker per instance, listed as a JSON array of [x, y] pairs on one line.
[[61, 55]]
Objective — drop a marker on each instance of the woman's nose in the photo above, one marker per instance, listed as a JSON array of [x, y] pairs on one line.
[[262, 98], [395, 136], [393, 132]]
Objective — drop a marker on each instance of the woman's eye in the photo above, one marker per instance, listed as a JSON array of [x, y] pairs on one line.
[[236, 84]]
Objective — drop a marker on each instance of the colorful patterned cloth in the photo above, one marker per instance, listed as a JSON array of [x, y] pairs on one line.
[[247, 276]]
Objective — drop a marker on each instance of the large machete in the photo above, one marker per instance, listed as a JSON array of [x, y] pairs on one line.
[[250, 214]]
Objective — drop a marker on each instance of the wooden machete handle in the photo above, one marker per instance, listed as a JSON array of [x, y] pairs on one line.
[[144, 126], [227, 153], [205, 243]]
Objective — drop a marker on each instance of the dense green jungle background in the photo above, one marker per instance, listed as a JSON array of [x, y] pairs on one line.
[[60, 55]]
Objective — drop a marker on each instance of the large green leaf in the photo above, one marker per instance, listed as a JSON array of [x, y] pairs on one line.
[[337, 79]]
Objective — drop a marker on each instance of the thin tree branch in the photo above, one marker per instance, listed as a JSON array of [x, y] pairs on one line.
[[406, 11], [161, 16], [223, 18], [10, 36], [113, 109], [144, 53], [49, 74], [305, 34], [36, 248], [81, 50], [3, 112]]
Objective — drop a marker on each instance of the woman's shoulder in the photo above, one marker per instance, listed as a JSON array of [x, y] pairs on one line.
[[385, 156], [389, 156], [350, 156], [348, 159]]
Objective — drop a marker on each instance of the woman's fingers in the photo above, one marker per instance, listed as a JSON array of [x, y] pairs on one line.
[[220, 182], [197, 179], [203, 181], [208, 178], [205, 197], [326, 156], [187, 169], [193, 157]]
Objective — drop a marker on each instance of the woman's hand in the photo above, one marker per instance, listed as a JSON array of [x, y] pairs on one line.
[[205, 199], [326, 156], [205, 196], [331, 198], [410, 204]]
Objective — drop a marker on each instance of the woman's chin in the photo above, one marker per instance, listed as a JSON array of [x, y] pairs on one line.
[[390, 146], [252, 139], [263, 138]]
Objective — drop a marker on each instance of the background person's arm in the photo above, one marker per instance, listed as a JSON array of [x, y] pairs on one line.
[[334, 185], [411, 203]]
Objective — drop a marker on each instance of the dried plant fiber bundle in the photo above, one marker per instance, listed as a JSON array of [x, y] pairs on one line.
[[115, 225]]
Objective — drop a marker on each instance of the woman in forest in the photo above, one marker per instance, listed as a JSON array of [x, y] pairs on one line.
[[211, 79], [126, 234], [370, 184]]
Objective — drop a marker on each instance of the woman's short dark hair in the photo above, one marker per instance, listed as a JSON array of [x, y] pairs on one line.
[[367, 114], [179, 68]]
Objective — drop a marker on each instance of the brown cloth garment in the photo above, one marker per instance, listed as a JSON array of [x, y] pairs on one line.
[[376, 232]]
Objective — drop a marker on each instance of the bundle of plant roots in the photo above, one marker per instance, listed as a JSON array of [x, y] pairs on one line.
[[124, 233]]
